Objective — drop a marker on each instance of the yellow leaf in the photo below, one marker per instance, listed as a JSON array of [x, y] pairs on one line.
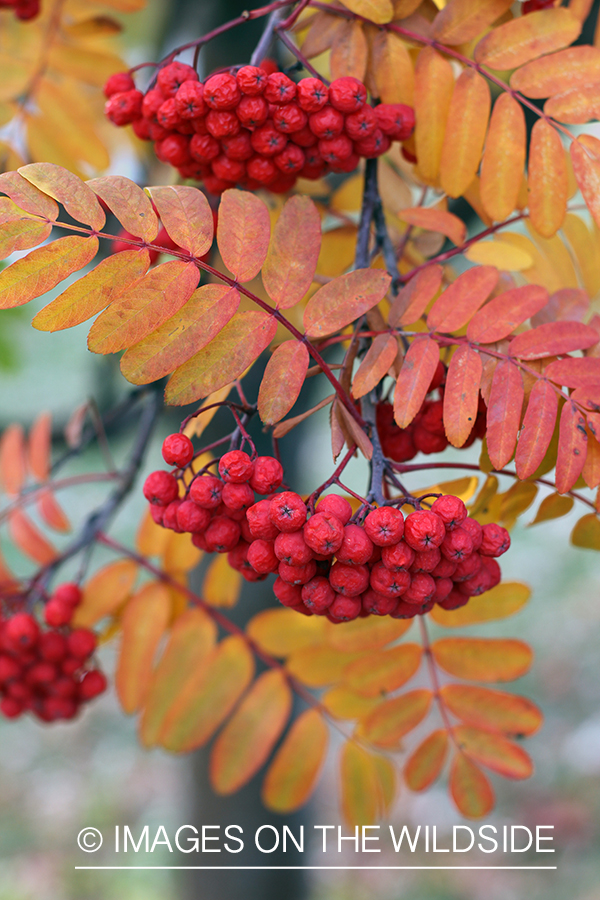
[[548, 182], [143, 624], [282, 631], [463, 141], [222, 584], [319, 665], [586, 532], [378, 11], [461, 21], [504, 158], [393, 68], [527, 37], [151, 539], [179, 554], [292, 776], [365, 634], [383, 671], [349, 51], [359, 780], [393, 719], [504, 600], [105, 593], [500, 254], [343, 703]]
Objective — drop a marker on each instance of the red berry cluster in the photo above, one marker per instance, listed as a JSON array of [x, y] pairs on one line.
[[327, 563], [253, 128], [530, 6], [45, 670], [426, 433], [24, 9]]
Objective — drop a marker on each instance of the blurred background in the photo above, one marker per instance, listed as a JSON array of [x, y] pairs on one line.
[[56, 780]]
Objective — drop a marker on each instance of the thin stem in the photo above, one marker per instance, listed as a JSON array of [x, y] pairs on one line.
[[287, 41], [266, 38], [369, 199], [435, 682]]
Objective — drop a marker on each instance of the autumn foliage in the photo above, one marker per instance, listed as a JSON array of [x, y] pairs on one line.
[[424, 322]]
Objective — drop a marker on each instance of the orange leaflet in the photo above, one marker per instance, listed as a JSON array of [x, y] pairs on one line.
[[483, 659], [498, 318], [51, 512], [349, 51], [425, 764], [77, 198], [455, 306], [29, 539], [554, 506], [463, 142], [186, 215], [572, 447], [574, 107], [39, 446], [574, 373], [283, 379], [204, 315], [553, 339], [575, 67], [105, 592], [392, 68], [527, 37], [291, 261], [243, 231], [280, 632], [494, 752], [548, 179], [28, 197], [587, 175], [538, 428], [359, 785], [192, 638], [461, 395], [247, 739], [470, 788], [392, 719], [378, 11], [366, 634], [21, 234], [414, 379], [343, 300], [412, 300], [383, 671], [208, 697], [238, 345], [146, 305], [379, 358], [129, 203], [504, 158], [292, 776], [434, 84], [492, 710], [462, 20], [504, 412], [13, 464], [143, 624], [94, 291], [436, 220], [503, 600], [586, 532], [44, 268]]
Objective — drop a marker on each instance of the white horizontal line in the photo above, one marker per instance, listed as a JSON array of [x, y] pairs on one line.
[[343, 868]]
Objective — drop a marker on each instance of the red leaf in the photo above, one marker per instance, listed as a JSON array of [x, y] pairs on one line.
[[587, 175], [343, 300], [243, 231], [414, 379], [30, 540], [378, 360], [291, 262], [146, 305], [459, 302], [572, 447], [205, 314], [282, 381], [553, 339], [186, 215], [461, 395], [574, 373], [52, 513], [504, 412], [13, 469], [438, 220], [39, 446], [129, 203], [412, 300], [498, 318], [538, 428], [237, 346], [77, 198]]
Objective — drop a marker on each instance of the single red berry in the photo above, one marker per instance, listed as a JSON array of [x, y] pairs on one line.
[[11, 708], [495, 540], [290, 160], [457, 545], [474, 530], [451, 510], [279, 88], [70, 665], [349, 580], [312, 94], [288, 511], [119, 83], [356, 547], [222, 91], [41, 673], [454, 600], [443, 586], [177, 450], [191, 517], [428, 442], [421, 590], [445, 568], [267, 475], [423, 530], [92, 684], [261, 556], [324, 533], [378, 604], [493, 569], [238, 147], [63, 687], [348, 164], [124, 107], [173, 149], [152, 102], [68, 592], [388, 583], [236, 467], [373, 146], [160, 488], [206, 491], [361, 124], [347, 94], [304, 138], [262, 170], [251, 80], [229, 169], [398, 556], [252, 111], [289, 118], [317, 594], [288, 594], [344, 609], [222, 534], [327, 122], [52, 646], [385, 526], [297, 574], [426, 560], [216, 185], [291, 548], [334, 505], [222, 123], [189, 100], [238, 496], [9, 669], [405, 610], [21, 632], [57, 613], [169, 519], [267, 140], [260, 523], [141, 129], [204, 148], [396, 120], [167, 115], [171, 77]]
